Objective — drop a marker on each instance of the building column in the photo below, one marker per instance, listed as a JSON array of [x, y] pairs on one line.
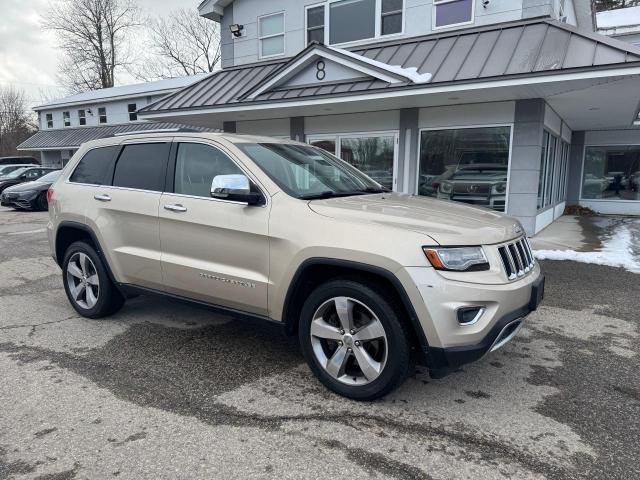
[[297, 129], [526, 152], [407, 171], [229, 127], [575, 168]]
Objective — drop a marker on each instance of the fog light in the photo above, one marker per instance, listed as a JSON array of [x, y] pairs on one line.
[[469, 315]]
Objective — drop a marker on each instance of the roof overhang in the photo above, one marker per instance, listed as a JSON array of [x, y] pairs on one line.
[[582, 98], [213, 9]]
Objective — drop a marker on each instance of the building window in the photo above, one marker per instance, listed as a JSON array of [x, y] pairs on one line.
[[49, 120], [375, 155], [554, 165], [133, 112], [66, 117], [315, 24], [82, 118], [352, 20], [391, 17], [611, 173], [448, 13], [468, 165], [271, 35], [102, 115]]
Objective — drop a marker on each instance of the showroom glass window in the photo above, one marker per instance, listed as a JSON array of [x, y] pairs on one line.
[[449, 13], [611, 173], [554, 164], [468, 165], [372, 154]]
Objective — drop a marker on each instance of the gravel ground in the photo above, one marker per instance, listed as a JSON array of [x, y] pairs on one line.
[[166, 391]]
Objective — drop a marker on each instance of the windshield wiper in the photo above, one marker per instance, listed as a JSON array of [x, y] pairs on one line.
[[332, 194]]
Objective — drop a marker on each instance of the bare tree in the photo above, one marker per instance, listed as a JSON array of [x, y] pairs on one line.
[[93, 37], [183, 44], [16, 123]]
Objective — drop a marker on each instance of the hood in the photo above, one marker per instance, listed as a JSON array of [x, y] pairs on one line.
[[23, 187], [448, 223]]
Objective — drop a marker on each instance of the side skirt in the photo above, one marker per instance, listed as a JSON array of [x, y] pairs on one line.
[[133, 290]]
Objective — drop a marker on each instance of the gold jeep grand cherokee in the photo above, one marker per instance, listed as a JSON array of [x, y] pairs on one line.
[[281, 231]]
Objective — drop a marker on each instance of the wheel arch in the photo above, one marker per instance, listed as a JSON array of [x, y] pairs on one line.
[[68, 233], [315, 271]]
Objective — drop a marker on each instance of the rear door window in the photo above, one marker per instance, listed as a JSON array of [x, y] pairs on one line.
[[142, 166], [95, 166]]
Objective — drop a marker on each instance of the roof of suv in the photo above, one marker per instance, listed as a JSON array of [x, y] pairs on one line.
[[154, 136]]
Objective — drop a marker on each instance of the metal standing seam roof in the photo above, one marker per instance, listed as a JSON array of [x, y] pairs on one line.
[[74, 137], [524, 48]]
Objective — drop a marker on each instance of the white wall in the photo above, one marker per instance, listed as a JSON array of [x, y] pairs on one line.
[[418, 21], [117, 112], [353, 123], [467, 115], [278, 127]]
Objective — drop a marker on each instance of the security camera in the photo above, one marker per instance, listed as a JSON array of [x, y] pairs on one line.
[[236, 29], [485, 3]]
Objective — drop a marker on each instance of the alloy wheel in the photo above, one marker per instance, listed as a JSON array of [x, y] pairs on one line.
[[83, 280], [349, 341]]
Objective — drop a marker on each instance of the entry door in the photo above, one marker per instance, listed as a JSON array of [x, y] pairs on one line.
[[125, 213], [374, 153], [213, 250]]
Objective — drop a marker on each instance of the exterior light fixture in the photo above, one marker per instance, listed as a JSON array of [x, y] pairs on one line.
[[236, 29]]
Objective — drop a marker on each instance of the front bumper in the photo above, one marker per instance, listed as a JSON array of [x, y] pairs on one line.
[[20, 200], [452, 344]]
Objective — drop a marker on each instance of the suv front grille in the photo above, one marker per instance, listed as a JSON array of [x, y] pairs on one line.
[[517, 258]]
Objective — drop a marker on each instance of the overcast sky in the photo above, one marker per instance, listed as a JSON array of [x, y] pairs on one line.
[[28, 54]]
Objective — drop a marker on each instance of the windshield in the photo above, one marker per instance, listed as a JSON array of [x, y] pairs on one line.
[[308, 172], [50, 177], [17, 173]]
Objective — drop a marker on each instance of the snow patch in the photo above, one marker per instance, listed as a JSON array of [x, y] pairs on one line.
[[410, 73], [620, 17], [617, 251]]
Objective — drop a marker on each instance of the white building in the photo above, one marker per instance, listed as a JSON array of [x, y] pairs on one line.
[[66, 123]]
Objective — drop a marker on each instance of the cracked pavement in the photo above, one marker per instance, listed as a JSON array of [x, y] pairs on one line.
[[167, 391]]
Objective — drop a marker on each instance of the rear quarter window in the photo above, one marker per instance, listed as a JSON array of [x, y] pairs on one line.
[[95, 166]]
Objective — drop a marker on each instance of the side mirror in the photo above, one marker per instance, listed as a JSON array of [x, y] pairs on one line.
[[23, 176], [235, 188]]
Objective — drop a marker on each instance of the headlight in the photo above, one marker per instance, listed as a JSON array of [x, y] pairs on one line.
[[499, 188], [459, 259], [446, 187]]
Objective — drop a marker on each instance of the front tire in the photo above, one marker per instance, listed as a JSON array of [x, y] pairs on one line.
[[353, 341], [87, 284]]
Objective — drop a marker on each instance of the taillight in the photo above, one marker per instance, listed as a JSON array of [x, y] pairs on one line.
[[50, 195]]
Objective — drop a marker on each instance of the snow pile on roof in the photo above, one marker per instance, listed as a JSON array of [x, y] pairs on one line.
[[146, 88], [621, 17], [617, 251], [409, 73]]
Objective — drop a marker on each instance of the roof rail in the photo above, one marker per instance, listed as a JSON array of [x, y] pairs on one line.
[[159, 130]]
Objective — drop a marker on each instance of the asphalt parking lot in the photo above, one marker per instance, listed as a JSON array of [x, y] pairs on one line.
[[165, 391]]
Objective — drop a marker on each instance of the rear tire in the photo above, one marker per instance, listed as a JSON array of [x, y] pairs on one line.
[[353, 341], [87, 283]]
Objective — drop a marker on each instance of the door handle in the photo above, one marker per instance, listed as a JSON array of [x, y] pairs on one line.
[[102, 198], [175, 208]]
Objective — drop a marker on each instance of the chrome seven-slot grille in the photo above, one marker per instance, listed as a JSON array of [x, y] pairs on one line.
[[517, 258]]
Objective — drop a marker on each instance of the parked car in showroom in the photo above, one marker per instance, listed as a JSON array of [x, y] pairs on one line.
[[482, 185], [29, 195], [279, 231], [21, 175], [25, 160]]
